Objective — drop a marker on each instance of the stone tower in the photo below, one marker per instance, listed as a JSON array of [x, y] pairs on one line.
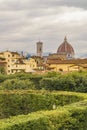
[[39, 48]]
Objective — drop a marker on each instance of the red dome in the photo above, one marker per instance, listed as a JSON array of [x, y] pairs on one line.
[[65, 48]]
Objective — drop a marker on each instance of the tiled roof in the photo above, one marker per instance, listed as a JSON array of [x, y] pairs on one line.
[[74, 61], [65, 47], [15, 53]]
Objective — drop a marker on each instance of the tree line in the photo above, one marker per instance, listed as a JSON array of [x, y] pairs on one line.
[[75, 81]]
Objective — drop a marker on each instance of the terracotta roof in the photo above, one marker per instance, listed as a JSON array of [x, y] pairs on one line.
[[55, 56], [84, 66], [10, 52], [1, 52], [65, 47], [74, 61], [15, 53]]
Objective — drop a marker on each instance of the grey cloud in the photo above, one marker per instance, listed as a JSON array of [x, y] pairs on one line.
[[24, 22], [35, 4]]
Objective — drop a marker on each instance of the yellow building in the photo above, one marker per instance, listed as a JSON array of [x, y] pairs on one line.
[[67, 65], [30, 65], [17, 63], [64, 59]]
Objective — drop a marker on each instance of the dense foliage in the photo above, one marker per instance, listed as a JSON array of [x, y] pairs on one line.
[[76, 81], [23, 102], [33, 94], [68, 82], [72, 117], [2, 70], [11, 84]]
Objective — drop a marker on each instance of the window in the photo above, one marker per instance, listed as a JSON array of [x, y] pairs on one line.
[[8, 55], [60, 69], [12, 71], [8, 71], [8, 65], [13, 55]]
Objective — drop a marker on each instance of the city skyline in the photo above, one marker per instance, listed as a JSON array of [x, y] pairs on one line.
[[23, 23]]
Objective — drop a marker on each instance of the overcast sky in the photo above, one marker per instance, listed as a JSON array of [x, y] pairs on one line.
[[25, 22]]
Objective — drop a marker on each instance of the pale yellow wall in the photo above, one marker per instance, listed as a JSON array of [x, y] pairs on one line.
[[27, 66], [1, 55], [30, 65], [13, 68], [8, 54], [74, 68], [11, 58], [64, 67]]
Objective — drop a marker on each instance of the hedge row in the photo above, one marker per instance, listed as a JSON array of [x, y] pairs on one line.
[[64, 118], [76, 81], [23, 102]]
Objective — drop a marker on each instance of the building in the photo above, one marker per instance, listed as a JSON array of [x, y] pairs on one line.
[[15, 63], [67, 65], [64, 59], [39, 49], [30, 65], [40, 63], [66, 49], [64, 52]]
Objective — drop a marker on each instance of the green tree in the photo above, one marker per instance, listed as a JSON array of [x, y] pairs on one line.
[[2, 70], [11, 84]]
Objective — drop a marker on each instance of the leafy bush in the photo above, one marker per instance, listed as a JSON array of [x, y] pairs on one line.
[[2, 78], [81, 82], [22, 102], [64, 118], [76, 81], [11, 84], [2, 70], [60, 83]]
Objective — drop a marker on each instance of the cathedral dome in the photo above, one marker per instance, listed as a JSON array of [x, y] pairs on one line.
[[66, 48]]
